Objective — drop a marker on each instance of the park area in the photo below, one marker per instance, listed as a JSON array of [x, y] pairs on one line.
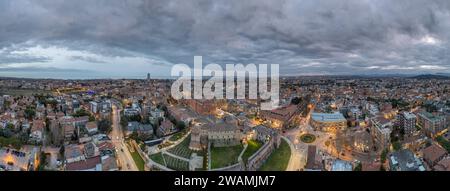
[[279, 159]]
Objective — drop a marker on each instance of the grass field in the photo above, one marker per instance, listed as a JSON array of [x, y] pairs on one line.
[[225, 156], [279, 159], [138, 160], [182, 149], [176, 164], [158, 158], [178, 135], [252, 147]]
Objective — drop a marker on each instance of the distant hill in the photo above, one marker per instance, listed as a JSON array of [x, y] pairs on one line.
[[431, 76], [443, 74]]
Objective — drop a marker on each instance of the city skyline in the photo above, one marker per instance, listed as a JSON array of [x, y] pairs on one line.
[[128, 39]]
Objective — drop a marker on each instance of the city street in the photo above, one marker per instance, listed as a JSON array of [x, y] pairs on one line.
[[123, 154]]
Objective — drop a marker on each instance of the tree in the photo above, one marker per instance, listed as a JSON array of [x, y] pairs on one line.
[[42, 161], [7, 133], [104, 126], [358, 167], [296, 100], [81, 113], [443, 142], [10, 126], [134, 135], [383, 156], [397, 145], [11, 141], [47, 124], [30, 113], [181, 125], [62, 149]]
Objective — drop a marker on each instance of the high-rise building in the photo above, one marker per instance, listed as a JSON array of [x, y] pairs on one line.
[[380, 130], [94, 106], [148, 76], [407, 121]]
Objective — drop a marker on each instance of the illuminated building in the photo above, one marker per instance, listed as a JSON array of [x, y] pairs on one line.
[[328, 122]]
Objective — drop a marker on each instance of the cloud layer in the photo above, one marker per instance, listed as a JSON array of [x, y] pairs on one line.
[[120, 38]]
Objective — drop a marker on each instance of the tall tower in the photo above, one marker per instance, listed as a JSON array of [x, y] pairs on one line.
[[148, 76]]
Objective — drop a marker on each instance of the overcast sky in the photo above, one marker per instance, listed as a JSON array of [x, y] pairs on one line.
[[120, 38]]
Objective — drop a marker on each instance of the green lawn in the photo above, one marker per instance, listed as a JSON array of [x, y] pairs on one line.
[[178, 135], [252, 147], [176, 164], [279, 159], [182, 149], [225, 156], [158, 158], [138, 160]]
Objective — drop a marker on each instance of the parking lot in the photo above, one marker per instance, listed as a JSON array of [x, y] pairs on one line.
[[13, 160]]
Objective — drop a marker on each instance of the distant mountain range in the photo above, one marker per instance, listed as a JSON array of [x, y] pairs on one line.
[[440, 76], [411, 76]]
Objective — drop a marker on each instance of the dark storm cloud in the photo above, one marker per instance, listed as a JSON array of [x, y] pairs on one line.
[[303, 36]]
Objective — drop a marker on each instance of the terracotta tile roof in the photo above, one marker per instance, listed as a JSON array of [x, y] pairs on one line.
[[433, 153], [371, 166], [443, 165], [91, 125], [87, 164], [38, 125]]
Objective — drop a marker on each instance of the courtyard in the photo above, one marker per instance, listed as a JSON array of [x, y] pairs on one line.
[[225, 156]]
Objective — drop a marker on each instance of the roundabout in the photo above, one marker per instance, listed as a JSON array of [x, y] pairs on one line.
[[308, 138]]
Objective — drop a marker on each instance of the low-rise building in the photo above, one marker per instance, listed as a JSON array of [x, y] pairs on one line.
[[90, 164], [165, 128], [328, 122], [37, 130], [73, 153], [433, 154], [280, 117], [443, 165], [433, 124], [139, 128], [405, 160], [92, 127], [341, 165]]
